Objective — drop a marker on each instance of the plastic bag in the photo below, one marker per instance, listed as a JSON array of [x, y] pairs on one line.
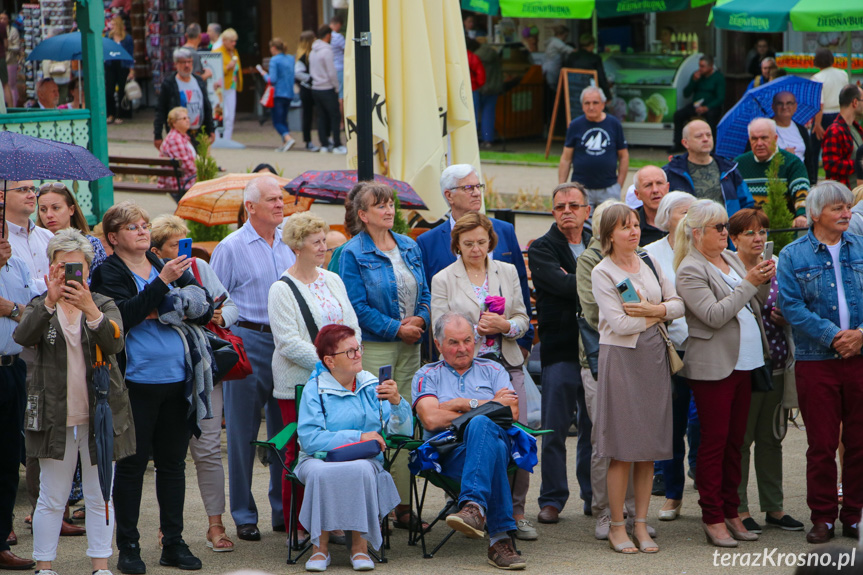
[[534, 400]]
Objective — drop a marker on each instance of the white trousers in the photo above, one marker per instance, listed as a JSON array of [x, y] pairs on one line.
[[229, 109], [207, 454], [55, 483]]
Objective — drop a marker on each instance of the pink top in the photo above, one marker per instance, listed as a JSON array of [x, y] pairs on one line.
[[77, 394]]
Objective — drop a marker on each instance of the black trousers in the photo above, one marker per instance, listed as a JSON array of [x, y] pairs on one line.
[[159, 411], [327, 103], [13, 400], [687, 113], [308, 102], [115, 85]]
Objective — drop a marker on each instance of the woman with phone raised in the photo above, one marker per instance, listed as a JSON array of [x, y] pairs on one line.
[[66, 325], [726, 354], [633, 412], [748, 230]]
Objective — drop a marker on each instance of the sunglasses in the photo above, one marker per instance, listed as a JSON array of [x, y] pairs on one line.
[[51, 187], [719, 227]]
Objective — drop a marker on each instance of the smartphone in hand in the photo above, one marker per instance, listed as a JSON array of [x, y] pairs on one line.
[[385, 373], [185, 248], [768, 251], [220, 301], [74, 272], [627, 291]]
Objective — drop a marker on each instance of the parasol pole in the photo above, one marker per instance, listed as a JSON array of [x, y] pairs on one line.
[[363, 72]]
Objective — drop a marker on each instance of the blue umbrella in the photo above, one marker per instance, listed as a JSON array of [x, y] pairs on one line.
[[68, 47], [29, 158], [732, 133]]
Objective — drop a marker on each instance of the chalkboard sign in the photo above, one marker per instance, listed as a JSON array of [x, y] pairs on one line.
[[570, 84]]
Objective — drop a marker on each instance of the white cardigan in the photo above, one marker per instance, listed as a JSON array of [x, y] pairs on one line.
[[295, 354]]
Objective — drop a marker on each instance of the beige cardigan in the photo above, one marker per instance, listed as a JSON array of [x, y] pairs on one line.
[[451, 290], [713, 345], [617, 328]]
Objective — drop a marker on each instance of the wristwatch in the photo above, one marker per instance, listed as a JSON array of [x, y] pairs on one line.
[[474, 403], [16, 311]]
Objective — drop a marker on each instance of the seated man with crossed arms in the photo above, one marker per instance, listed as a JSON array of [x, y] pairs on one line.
[[446, 389]]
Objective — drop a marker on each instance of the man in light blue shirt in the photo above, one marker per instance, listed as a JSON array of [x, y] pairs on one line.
[[337, 42], [248, 262]]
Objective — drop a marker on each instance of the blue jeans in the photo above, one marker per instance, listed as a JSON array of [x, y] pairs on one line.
[[480, 462], [485, 112], [280, 115], [672, 469]]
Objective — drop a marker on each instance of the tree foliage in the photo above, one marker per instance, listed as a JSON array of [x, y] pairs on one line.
[[776, 207]]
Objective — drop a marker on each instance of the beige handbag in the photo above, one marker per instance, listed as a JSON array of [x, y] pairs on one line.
[[674, 361]]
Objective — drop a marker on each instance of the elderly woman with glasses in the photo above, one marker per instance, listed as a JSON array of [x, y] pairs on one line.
[[322, 293], [58, 210], [155, 368], [69, 327], [725, 349], [820, 279], [343, 404]]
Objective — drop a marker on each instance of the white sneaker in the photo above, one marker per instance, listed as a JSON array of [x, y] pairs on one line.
[[326, 150], [288, 145], [102, 572], [318, 565], [340, 150], [50, 572], [525, 530], [362, 562], [603, 524]]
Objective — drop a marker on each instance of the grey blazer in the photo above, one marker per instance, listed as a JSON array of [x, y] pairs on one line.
[[451, 290], [713, 344]]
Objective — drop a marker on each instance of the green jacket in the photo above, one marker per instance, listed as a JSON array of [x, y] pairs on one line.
[[493, 70], [792, 171], [710, 89], [42, 329], [588, 259]]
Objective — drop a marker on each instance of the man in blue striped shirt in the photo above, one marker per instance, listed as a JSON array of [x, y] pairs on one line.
[[248, 262]]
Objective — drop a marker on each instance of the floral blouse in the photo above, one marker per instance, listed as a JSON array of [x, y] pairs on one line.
[[331, 310]]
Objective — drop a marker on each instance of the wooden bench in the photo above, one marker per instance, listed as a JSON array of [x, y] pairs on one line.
[[160, 167]]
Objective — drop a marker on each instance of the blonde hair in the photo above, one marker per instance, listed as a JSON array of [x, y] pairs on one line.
[[300, 226], [304, 46], [596, 220], [858, 194], [165, 227], [701, 214], [174, 114], [614, 216], [121, 214], [119, 28], [229, 34]]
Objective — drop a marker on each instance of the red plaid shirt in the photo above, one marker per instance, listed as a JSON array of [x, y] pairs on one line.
[[837, 150], [178, 146]]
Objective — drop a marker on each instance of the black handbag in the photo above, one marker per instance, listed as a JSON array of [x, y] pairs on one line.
[[762, 377], [497, 412], [590, 342], [224, 354]]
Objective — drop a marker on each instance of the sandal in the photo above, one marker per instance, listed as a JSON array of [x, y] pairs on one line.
[[407, 519], [645, 545], [215, 543], [621, 547]]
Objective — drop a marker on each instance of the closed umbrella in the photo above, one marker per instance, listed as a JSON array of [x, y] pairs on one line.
[[104, 431], [68, 47], [334, 185]]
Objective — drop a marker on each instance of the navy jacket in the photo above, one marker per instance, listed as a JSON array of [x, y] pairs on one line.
[[436, 252], [734, 189]]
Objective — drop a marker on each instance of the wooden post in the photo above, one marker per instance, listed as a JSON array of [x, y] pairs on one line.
[[91, 22]]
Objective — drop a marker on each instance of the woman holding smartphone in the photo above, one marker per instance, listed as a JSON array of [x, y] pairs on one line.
[[633, 412]]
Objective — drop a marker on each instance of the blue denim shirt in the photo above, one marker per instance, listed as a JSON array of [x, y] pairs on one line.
[[808, 296], [371, 283]]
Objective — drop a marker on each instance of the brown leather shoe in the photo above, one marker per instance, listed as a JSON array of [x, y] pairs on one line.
[[69, 530], [468, 521], [548, 514], [12, 539], [503, 556], [819, 533], [9, 560]]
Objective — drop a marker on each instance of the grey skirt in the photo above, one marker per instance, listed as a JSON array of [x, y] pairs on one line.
[[351, 495], [633, 401]]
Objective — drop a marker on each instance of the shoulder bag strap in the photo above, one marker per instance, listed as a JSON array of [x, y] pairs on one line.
[[304, 309], [196, 273], [646, 257]]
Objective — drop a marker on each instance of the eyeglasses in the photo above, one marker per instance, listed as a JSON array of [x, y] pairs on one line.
[[470, 188], [571, 205], [719, 227], [750, 233], [24, 189], [135, 227], [351, 353], [51, 187], [480, 243]]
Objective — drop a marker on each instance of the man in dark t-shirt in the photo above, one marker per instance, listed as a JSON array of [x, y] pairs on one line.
[[596, 150]]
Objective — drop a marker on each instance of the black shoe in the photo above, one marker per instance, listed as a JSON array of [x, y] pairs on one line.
[[752, 525], [130, 561], [248, 532], [850, 531], [178, 555], [279, 528], [658, 485], [787, 522], [588, 509]]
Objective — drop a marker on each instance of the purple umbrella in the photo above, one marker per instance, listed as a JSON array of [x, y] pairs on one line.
[[334, 185], [28, 158]]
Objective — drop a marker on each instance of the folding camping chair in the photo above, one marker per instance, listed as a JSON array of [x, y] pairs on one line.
[[451, 488], [276, 445]]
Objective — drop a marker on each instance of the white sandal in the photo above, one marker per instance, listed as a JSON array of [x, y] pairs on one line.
[[318, 565]]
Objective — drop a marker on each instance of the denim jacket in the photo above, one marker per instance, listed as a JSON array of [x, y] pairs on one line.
[[371, 283], [808, 296], [331, 416]]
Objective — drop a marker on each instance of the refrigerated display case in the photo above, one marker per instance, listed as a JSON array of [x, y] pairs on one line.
[[647, 89]]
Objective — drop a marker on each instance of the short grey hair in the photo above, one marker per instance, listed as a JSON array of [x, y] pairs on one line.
[[446, 319], [70, 240], [252, 191], [181, 53], [450, 177], [216, 28], [825, 194], [637, 182], [193, 31], [590, 89], [770, 121], [668, 204]]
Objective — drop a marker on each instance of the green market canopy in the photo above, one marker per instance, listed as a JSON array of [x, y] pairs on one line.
[[774, 15], [577, 9]]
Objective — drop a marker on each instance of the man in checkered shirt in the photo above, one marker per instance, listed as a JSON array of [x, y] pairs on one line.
[[844, 137]]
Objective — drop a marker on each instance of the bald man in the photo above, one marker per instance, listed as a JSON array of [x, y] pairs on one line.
[[753, 167], [651, 185]]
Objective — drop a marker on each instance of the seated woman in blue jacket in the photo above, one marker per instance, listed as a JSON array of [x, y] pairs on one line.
[[343, 404]]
